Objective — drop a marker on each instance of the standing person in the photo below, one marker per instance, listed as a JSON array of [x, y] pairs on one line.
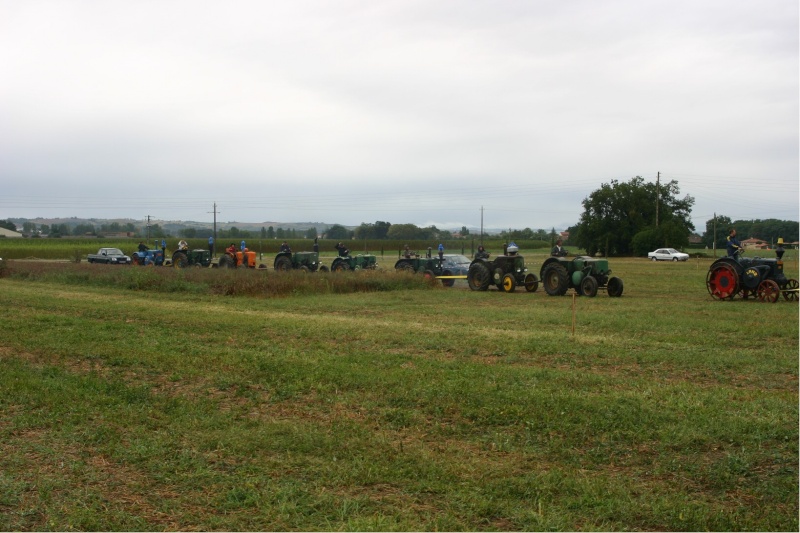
[[558, 250], [211, 245], [316, 245], [164, 247], [242, 246], [441, 251], [734, 246]]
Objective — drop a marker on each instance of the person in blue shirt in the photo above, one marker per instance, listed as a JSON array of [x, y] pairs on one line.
[[242, 246], [211, 245], [734, 246], [441, 251]]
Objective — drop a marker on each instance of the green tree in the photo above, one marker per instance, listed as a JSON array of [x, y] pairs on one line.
[[337, 232], [263, 232], [189, 233], [464, 231], [83, 229], [723, 225], [270, 232], [7, 224], [617, 211], [311, 233]]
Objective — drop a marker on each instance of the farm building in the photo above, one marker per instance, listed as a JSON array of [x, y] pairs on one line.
[[10, 234]]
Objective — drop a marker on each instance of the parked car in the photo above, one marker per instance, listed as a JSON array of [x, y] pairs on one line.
[[667, 254], [109, 256], [457, 264]]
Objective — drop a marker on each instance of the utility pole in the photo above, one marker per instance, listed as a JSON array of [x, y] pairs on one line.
[[658, 193], [215, 228], [714, 245], [148, 228], [481, 225]]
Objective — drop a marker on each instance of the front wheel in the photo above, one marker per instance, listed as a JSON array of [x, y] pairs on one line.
[[531, 282], [790, 290], [768, 291], [589, 286], [323, 268], [509, 283], [448, 282], [653, 259]]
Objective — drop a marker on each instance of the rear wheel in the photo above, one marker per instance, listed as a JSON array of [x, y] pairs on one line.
[[722, 282], [768, 291], [226, 261], [509, 283], [179, 260], [323, 268], [478, 277], [614, 287], [589, 286], [531, 283], [283, 264], [674, 259], [341, 266], [790, 290], [135, 259], [555, 280]]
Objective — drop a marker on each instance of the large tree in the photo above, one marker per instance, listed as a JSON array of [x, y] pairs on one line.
[[338, 232], [7, 224], [616, 212]]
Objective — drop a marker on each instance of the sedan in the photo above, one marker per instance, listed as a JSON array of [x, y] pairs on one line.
[[456, 263], [667, 254]]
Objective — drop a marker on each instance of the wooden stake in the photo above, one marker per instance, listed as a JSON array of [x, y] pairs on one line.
[[574, 297]]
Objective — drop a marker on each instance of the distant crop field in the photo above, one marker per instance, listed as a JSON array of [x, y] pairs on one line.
[[203, 399]]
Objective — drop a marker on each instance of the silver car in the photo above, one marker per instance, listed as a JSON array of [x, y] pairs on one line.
[[667, 254]]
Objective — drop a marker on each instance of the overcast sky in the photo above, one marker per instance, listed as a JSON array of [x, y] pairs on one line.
[[402, 111]]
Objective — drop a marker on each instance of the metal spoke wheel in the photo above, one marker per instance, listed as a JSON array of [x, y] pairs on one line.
[[790, 291], [768, 291]]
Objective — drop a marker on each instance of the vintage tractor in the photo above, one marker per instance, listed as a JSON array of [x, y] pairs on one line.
[[504, 271], [585, 274], [357, 262], [303, 261], [148, 258], [197, 258], [430, 267], [759, 277], [246, 259]]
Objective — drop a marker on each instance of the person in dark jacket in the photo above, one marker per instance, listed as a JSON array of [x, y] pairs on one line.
[[734, 246], [558, 250], [481, 253], [343, 251]]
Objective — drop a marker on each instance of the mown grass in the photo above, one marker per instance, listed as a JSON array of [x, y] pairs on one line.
[[149, 408]]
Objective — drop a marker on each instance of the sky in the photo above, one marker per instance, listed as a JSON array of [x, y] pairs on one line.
[[445, 113]]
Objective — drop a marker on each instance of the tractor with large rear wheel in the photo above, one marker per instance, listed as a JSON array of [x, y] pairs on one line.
[[751, 277], [587, 275], [354, 262], [505, 272], [197, 258], [302, 261]]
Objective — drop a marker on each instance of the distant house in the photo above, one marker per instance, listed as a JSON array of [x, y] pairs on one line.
[[755, 244], [7, 233]]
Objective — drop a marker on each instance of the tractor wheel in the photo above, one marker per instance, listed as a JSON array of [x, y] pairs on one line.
[[790, 291], [614, 287], [768, 291], [589, 286], [497, 277], [448, 282], [226, 261], [304, 269], [747, 293], [179, 260], [478, 277], [405, 267], [323, 268], [722, 282], [531, 282], [555, 279], [341, 266], [509, 283], [283, 264], [135, 259], [429, 275]]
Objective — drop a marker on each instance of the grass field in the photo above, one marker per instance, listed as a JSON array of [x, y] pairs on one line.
[[152, 399]]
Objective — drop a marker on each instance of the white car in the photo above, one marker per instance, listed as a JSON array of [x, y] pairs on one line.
[[667, 254]]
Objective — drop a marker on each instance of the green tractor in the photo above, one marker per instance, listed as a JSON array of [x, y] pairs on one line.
[[357, 262], [196, 258], [585, 274], [430, 267], [303, 261], [504, 271]]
